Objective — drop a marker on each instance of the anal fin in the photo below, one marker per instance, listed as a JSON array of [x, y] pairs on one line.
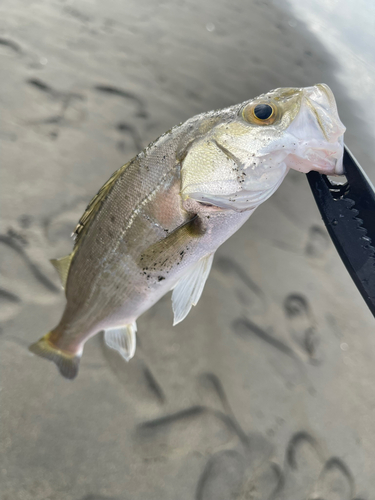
[[189, 288], [123, 339]]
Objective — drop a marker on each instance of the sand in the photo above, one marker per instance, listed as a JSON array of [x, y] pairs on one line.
[[266, 389]]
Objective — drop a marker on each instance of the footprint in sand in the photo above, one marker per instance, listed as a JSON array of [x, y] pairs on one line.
[[335, 482], [9, 304], [21, 278], [247, 292], [317, 243], [304, 461], [302, 327]]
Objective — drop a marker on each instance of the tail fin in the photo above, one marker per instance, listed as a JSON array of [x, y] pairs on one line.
[[66, 362]]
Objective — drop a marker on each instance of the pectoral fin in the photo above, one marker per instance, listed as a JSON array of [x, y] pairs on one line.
[[189, 288], [161, 256], [62, 267], [122, 339]]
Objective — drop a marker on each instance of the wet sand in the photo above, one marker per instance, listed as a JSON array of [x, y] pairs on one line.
[[266, 389]]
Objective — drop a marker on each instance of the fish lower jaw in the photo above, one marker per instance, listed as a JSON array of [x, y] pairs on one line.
[[326, 159]]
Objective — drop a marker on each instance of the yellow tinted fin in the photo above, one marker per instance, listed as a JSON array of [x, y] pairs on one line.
[[62, 267], [67, 363], [95, 203]]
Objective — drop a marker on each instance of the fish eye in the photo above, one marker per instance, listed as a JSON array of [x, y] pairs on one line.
[[263, 111], [260, 114]]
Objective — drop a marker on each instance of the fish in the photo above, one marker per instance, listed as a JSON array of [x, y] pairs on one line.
[[155, 225]]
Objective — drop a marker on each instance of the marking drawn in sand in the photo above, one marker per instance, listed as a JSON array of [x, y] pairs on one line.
[[302, 326], [38, 274], [72, 108], [249, 468], [10, 44], [125, 94]]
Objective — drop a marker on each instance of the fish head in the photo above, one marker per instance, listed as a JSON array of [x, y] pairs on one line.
[[243, 158]]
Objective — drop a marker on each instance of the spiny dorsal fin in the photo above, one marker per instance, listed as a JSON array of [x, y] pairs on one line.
[[62, 267], [95, 204], [189, 288]]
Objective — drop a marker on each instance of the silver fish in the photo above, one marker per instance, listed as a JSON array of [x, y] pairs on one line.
[[157, 222]]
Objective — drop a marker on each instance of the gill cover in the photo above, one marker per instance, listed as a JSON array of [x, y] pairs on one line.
[[242, 161]]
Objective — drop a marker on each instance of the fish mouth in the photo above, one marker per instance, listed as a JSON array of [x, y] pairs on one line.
[[323, 157], [315, 138]]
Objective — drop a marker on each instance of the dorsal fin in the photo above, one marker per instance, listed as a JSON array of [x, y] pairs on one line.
[[95, 204], [62, 267]]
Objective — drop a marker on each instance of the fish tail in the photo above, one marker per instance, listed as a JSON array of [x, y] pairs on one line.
[[66, 362]]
